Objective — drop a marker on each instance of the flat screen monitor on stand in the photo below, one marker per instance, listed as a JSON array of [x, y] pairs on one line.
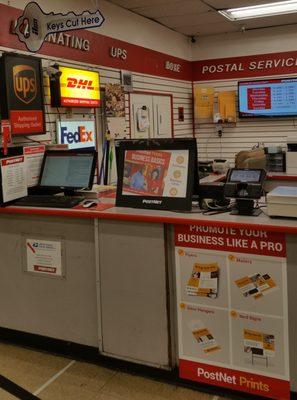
[[157, 173], [67, 171]]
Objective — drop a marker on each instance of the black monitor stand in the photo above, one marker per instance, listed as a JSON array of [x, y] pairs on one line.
[[246, 207]]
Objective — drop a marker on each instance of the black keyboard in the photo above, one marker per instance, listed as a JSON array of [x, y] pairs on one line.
[[203, 174], [48, 201]]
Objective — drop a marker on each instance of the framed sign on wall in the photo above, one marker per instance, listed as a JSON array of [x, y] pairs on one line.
[[75, 88], [22, 99]]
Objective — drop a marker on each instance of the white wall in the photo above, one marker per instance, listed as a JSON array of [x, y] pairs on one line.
[[249, 132], [122, 24], [258, 41], [126, 26]]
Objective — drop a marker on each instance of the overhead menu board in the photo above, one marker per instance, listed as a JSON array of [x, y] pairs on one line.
[[22, 94]]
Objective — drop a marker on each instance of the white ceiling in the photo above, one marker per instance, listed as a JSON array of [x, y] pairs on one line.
[[199, 17]]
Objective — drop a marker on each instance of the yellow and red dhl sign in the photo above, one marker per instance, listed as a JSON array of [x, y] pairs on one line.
[[79, 87]]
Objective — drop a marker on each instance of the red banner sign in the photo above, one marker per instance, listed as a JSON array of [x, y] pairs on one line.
[[240, 240], [237, 380], [26, 121], [247, 66]]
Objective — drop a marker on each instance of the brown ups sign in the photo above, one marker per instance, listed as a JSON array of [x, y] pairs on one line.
[[22, 93]]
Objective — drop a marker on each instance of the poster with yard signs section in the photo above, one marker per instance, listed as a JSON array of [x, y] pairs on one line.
[[232, 308]]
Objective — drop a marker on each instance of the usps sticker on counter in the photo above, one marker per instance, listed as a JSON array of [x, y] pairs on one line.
[[44, 257]]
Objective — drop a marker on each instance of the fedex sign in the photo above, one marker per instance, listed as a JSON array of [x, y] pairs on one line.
[[77, 134]]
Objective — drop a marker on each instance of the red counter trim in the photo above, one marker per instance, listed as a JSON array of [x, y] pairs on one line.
[[144, 218], [276, 177]]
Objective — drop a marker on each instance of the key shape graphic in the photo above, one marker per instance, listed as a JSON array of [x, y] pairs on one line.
[[34, 25]]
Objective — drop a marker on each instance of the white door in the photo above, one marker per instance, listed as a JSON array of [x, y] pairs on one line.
[[151, 116]]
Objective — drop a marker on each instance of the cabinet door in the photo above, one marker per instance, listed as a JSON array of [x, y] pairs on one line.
[[142, 122], [162, 116], [133, 287]]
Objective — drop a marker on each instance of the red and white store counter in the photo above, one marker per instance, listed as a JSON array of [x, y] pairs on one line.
[[214, 294]]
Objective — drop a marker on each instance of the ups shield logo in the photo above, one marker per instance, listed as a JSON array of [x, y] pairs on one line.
[[24, 83]]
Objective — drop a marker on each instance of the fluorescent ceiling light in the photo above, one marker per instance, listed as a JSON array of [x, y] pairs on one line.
[[263, 10]]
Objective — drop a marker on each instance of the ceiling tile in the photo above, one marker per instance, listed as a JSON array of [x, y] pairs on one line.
[[270, 21], [142, 3], [208, 29], [191, 19], [175, 9]]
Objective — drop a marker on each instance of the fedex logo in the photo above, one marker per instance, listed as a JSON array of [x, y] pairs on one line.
[[80, 84], [77, 134], [80, 136]]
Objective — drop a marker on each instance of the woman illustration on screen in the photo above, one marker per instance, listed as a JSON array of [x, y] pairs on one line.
[[155, 183]]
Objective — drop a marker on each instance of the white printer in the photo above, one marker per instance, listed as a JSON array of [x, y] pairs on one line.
[[291, 157], [282, 202]]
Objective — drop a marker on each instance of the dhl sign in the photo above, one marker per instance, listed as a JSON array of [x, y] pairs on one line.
[[79, 88]]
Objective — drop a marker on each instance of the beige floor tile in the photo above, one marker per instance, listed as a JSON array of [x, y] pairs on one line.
[[188, 394], [103, 396], [132, 387], [82, 381], [6, 396], [27, 368]]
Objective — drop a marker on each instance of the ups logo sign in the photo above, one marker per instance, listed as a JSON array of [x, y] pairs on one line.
[[24, 83]]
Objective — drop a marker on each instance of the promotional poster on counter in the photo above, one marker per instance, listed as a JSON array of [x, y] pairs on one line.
[[155, 173], [232, 308]]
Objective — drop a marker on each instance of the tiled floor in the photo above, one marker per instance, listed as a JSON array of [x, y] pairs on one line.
[[56, 378]]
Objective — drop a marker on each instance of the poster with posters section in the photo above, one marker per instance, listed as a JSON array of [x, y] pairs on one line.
[[232, 308]]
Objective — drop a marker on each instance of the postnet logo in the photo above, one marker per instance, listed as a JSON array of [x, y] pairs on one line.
[[77, 135]]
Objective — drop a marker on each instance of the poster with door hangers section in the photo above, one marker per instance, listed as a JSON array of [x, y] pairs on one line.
[[232, 308]]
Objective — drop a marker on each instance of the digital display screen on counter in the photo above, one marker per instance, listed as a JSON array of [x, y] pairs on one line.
[[248, 176], [268, 98]]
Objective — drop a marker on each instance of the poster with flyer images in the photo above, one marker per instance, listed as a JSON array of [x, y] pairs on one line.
[[232, 308], [156, 173]]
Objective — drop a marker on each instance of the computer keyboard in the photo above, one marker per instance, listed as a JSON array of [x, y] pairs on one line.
[[202, 174], [50, 201]]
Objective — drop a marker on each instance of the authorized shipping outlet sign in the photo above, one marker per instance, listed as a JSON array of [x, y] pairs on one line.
[[232, 308], [22, 94]]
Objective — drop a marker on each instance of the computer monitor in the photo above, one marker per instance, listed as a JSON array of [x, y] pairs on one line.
[[68, 170], [156, 173]]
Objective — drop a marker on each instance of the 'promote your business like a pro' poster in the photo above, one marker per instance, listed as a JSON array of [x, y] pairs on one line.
[[232, 308]]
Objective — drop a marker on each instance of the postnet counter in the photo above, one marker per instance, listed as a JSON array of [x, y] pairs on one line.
[[207, 295]]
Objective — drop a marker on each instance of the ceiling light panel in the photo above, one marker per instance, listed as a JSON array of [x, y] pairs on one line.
[[263, 10]]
